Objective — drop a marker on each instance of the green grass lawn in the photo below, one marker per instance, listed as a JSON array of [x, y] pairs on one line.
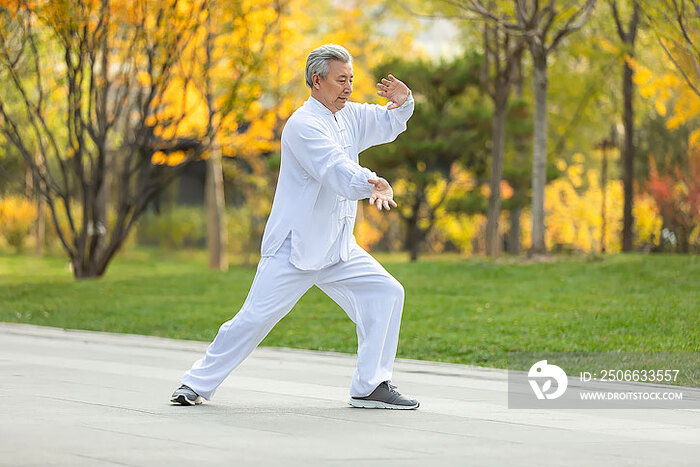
[[469, 311]]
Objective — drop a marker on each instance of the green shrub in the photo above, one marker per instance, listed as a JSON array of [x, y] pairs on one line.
[[175, 228]]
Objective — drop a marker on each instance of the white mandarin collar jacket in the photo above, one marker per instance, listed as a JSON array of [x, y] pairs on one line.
[[320, 179]]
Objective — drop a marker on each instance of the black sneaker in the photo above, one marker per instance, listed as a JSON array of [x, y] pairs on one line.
[[184, 395], [385, 396]]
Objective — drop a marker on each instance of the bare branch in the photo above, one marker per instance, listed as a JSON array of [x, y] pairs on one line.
[[679, 67], [573, 23], [616, 16], [477, 7], [679, 20]]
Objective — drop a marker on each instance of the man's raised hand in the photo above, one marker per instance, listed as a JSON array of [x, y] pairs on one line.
[[382, 194], [394, 90]]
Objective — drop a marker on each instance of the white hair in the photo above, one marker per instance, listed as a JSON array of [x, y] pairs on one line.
[[319, 61]]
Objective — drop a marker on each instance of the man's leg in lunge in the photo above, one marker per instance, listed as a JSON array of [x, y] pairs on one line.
[[277, 286], [373, 300]]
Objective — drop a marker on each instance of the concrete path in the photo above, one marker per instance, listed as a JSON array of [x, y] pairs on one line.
[[78, 398]]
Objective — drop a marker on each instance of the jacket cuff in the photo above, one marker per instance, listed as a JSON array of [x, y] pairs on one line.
[[359, 183], [405, 110]]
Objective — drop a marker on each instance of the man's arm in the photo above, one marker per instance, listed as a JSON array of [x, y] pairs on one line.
[[382, 124], [326, 162]]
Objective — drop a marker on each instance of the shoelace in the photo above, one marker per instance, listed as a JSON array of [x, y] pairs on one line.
[[187, 388]]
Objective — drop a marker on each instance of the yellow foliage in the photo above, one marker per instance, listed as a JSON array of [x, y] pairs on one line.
[[461, 229], [694, 139], [436, 192], [143, 78], [172, 159], [367, 234], [686, 107], [159, 158], [526, 229], [648, 221], [573, 215], [17, 215], [574, 173], [372, 226], [401, 187], [660, 107], [666, 89], [181, 111], [506, 190], [608, 46], [694, 237], [176, 158], [485, 190]]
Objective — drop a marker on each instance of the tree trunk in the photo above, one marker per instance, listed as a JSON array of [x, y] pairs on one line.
[[604, 192], [539, 154], [628, 37], [493, 239], [40, 229], [215, 207], [99, 223], [628, 158], [412, 236], [514, 231], [515, 213], [35, 193]]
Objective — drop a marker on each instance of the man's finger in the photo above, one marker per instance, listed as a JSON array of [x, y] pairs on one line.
[[373, 181], [393, 203], [386, 205], [392, 105], [371, 200], [395, 79]]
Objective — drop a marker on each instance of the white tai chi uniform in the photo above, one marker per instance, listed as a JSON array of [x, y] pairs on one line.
[[308, 241]]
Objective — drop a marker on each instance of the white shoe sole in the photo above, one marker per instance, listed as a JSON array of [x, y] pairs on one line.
[[367, 404], [182, 400]]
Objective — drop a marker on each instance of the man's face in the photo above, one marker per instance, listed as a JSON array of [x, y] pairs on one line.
[[334, 90]]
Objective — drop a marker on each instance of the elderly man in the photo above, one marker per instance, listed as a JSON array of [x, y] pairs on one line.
[[308, 238]]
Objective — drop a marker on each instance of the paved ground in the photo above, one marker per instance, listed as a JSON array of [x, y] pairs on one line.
[[80, 398]]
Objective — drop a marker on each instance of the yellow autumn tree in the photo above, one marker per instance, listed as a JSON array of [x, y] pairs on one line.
[[112, 68]]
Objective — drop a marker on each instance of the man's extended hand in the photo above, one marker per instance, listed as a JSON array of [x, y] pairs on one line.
[[382, 194], [394, 90]]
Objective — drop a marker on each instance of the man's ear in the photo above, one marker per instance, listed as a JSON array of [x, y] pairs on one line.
[[316, 81]]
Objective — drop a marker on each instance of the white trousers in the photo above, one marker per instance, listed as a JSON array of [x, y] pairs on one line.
[[369, 295]]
